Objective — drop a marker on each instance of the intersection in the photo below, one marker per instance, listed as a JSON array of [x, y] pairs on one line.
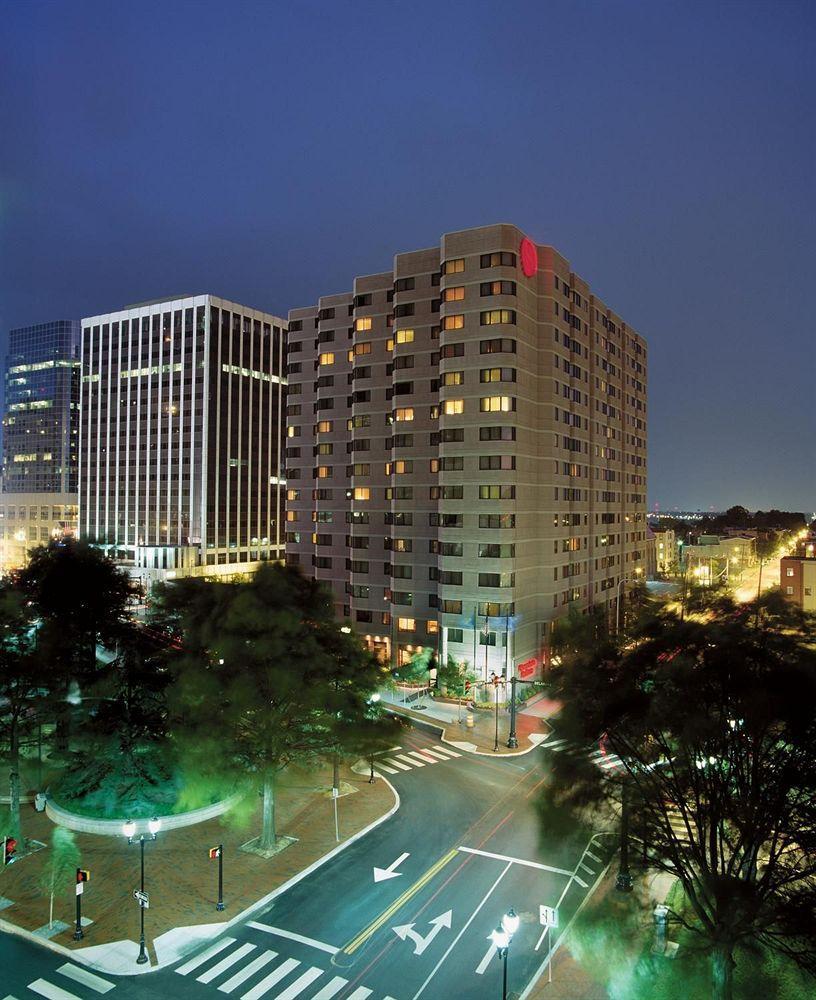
[[404, 913]]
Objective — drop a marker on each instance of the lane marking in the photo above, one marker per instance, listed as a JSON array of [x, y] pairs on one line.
[[45, 989], [455, 941], [515, 861], [425, 754], [263, 986], [396, 763], [280, 932], [300, 984], [331, 989], [205, 955], [408, 760], [488, 955], [383, 767], [85, 978], [386, 915], [453, 753], [249, 970], [225, 963]]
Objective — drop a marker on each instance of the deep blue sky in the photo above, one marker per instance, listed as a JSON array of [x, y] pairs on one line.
[[269, 152]]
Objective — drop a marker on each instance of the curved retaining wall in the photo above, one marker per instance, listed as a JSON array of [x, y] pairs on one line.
[[113, 827]]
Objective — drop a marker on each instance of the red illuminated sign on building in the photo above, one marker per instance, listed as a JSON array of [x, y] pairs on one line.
[[526, 669], [529, 257]]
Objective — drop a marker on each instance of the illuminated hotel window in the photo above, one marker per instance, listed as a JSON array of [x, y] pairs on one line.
[[497, 404], [406, 624], [432, 627], [362, 493], [326, 359], [363, 323], [405, 413], [324, 472], [497, 316], [455, 294], [497, 375], [364, 348], [453, 322], [453, 378], [324, 426], [453, 406], [404, 336], [454, 266]]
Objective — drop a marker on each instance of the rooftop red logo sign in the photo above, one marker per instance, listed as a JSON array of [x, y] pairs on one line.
[[529, 257]]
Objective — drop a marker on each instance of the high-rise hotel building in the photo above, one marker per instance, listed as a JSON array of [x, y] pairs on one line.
[[466, 450], [40, 437], [181, 437]]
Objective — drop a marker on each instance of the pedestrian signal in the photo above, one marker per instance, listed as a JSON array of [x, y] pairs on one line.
[[9, 850], [83, 875], [214, 853]]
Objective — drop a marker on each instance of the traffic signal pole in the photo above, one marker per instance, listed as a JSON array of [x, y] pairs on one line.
[[220, 904]]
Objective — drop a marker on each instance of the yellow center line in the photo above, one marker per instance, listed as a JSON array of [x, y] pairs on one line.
[[398, 903]]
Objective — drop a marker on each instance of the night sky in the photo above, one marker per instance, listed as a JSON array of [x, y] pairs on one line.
[[269, 152]]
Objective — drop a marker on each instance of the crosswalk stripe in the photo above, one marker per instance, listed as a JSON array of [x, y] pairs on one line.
[[268, 981], [421, 756], [589, 854], [85, 978], [556, 745], [331, 989], [598, 753], [359, 994], [300, 984], [408, 760], [225, 963], [580, 882], [435, 753], [205, 955], [46, 989], [249, 970], [447, 750], [396, 763], [384, 767], [586, 868]]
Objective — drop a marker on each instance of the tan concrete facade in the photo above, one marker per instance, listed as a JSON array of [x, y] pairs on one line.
[[797, 578], [466, 444]]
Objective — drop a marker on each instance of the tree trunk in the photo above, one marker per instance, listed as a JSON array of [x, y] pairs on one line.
[[336, 770], [268, 835], [51, 912], [14, 786], [722, 961]]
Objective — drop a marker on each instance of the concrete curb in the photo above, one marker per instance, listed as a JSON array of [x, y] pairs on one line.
[[97, 963], [441, 731], [113, 827]]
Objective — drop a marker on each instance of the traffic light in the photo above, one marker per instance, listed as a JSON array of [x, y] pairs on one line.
[[214, 852], [83, 875], [467, 687], [9, 850]]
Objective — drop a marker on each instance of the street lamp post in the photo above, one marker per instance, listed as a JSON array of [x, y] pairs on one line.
[[496, 700], [624, 580], [512, 739], [129, 829], [501, 938]]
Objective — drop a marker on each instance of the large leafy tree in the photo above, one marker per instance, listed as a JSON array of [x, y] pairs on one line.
[[79, 599], [713, 721], [266, 677], [22, 694]]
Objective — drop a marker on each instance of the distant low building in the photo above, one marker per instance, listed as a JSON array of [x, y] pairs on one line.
[[666, 560], [797, 577], [739, 551]]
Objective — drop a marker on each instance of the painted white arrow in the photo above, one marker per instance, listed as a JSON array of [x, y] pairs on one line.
[[381, 874], [421, 943]]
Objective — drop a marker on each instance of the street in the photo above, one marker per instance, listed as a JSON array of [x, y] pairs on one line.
[[406, 912]]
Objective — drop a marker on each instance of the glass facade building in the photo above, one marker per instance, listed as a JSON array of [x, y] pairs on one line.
[[42, 409]]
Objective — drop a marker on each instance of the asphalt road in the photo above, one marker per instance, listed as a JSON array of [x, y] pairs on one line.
[[465, 844]]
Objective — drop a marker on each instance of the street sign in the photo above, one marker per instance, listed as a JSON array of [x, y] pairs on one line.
[[548, 916], [142, 898], [80, 888]]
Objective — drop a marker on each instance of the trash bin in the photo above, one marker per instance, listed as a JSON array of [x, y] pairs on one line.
[[469, 720], [39, 802]]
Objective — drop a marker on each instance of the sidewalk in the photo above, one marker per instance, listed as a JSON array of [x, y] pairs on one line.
[[532, 726], [181, 881]]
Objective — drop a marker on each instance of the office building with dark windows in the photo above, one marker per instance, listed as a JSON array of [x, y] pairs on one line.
[[40, 438], [181, 458], [466, 450]]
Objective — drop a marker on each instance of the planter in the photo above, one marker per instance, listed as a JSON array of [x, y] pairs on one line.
[[113, 827]]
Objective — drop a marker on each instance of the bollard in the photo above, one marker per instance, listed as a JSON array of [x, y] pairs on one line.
[[469, 720], [661, 914]]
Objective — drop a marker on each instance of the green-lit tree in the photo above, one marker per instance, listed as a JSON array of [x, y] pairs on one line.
[[453, 674], [266, 677], [60, 867], [712, 719]]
